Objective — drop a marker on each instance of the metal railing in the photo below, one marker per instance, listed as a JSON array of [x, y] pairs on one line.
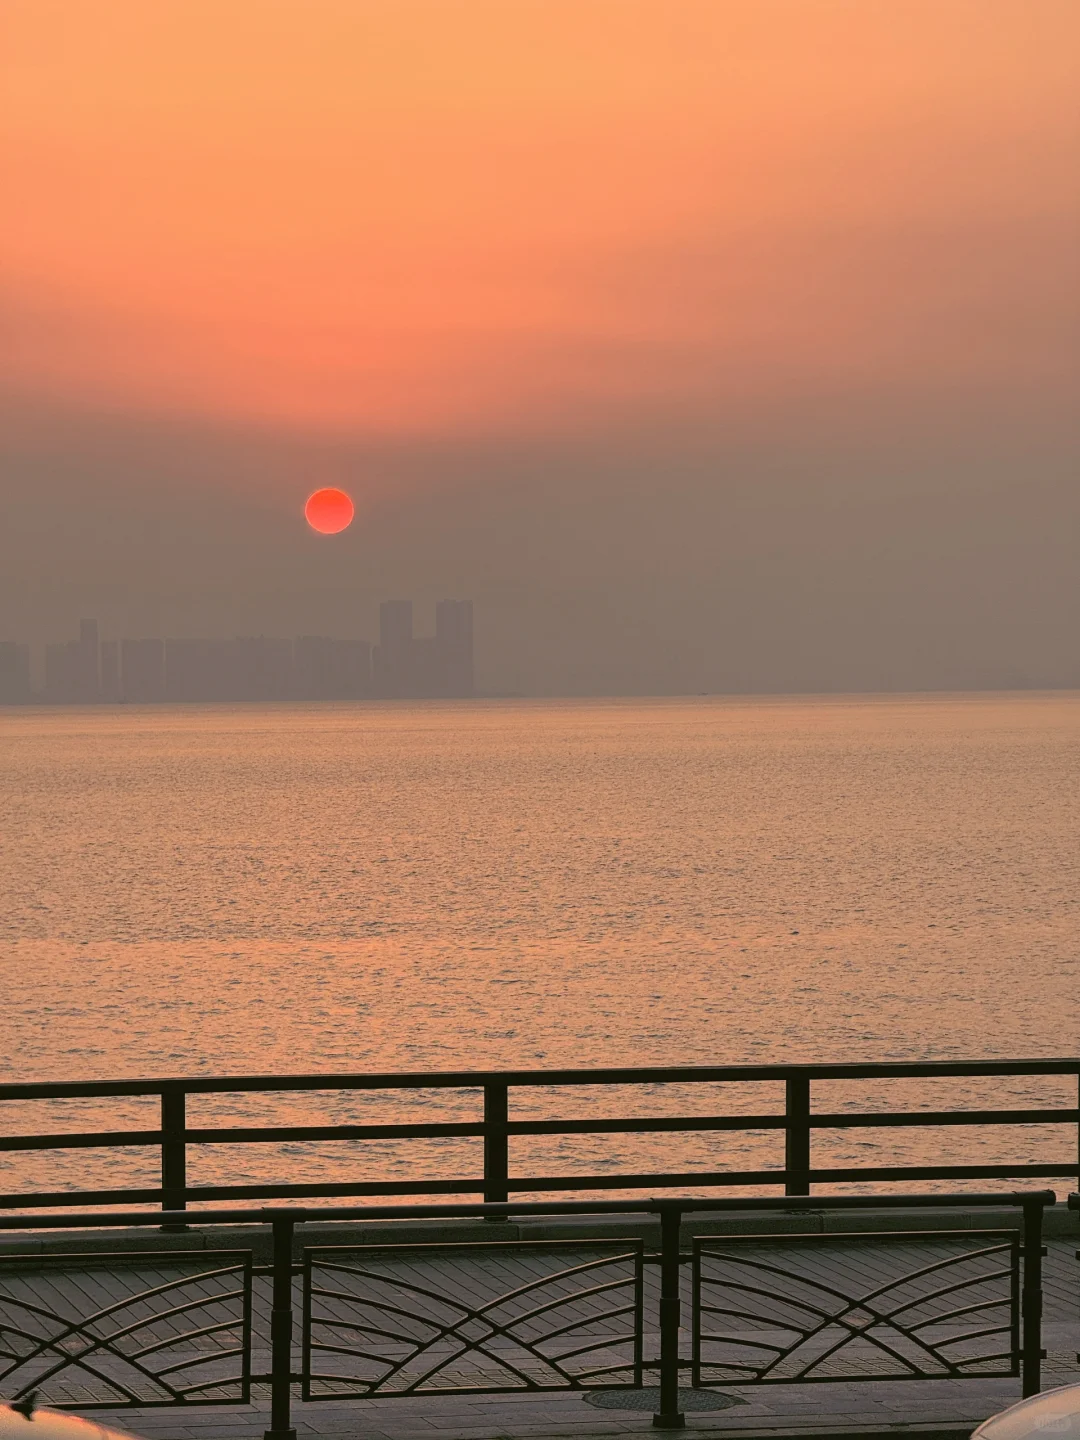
[[798, 1122], [85, 1345]]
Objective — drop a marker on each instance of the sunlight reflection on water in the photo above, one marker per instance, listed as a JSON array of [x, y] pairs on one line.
[[301, 888]]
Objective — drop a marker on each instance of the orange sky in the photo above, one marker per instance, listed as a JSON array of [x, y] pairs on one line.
[[419, 216]]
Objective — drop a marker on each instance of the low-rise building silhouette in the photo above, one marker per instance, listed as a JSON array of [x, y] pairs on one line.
[[110, 672], [258, 667], [329, 669], [142, 671], [454, 647], [59, 673], [14, 673]]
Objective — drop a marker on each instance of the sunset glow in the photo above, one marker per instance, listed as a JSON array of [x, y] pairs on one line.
[[412, 217]]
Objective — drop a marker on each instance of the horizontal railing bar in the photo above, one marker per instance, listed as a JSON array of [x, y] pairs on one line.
[[526, 1185], [778, 1177], [243, 1136], [476, 1079], [636, 1124], [418, 1130], [310, 1191], [870, 1118], [650, 1206], [90, 1140], [276, 1134], [128, 1196]]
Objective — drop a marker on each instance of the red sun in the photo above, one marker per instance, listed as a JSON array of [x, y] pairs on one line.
[[329, 511]]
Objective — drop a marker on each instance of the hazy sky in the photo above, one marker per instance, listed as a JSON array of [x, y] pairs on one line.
[[706, 344]]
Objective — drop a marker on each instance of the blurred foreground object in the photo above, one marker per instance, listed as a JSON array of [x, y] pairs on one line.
[[1054, 1413], [24, 1421]]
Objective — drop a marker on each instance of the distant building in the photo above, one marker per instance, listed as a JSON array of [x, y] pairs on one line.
[[59, 673], [395, 626], [85, 664], [142, 671], [411, 667], [196, 670], [110, 672], [454, 646], [257, 667], [14, 673], [71, 668], [252, 667], [392, 663], [329, 669]]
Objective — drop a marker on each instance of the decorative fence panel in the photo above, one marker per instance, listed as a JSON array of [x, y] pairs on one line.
[[143, 1328], [108, 1330], [784, 1309], [473, 1317]]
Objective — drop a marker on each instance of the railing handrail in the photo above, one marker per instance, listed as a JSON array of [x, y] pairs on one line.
[[653, 1205], [798, 1120], [477, 1079]]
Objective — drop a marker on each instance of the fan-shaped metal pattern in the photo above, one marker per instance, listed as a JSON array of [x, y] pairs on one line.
[[777, 1310], [179, 1334], [480, 1318]]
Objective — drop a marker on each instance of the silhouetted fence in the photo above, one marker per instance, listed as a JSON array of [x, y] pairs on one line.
[[497, 1128]]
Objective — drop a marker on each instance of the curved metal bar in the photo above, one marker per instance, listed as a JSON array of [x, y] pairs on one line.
[[409, 1314], [187, 1336], [953, 1289], [353, 1298], [963, 1310], [591, 1320], [973, 1335], [985, 1359], [752, 1344], [939, 1265], [753, 1264], [601, 1344], [357, 1354], [772, 1295], [203, 1360], [765, 1321], [562, 1299], [360, 1328]]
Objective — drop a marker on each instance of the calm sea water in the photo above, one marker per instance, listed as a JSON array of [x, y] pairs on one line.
[[312, 888]]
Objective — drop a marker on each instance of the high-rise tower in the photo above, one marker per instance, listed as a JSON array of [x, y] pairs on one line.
[[454, 646], [393, 662]]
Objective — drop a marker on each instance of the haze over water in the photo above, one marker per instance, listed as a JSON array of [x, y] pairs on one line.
[[533, 884]]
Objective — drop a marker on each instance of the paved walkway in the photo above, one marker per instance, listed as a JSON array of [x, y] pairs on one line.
[[427, 1295]]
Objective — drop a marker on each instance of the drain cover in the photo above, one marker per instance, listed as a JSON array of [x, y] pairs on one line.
[[649, 1399]]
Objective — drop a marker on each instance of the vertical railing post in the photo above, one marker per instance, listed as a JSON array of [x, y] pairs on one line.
[[173, 1150], [797, 1135], [281, 1327], [1031, 1297], [669, 1416], [496, 1144]]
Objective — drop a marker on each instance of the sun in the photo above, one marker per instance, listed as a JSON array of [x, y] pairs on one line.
[[329, 511]]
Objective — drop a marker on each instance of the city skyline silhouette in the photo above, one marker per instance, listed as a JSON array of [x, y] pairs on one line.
[[150, 670]]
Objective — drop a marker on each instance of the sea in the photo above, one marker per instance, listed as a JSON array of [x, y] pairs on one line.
[[224, 890]]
